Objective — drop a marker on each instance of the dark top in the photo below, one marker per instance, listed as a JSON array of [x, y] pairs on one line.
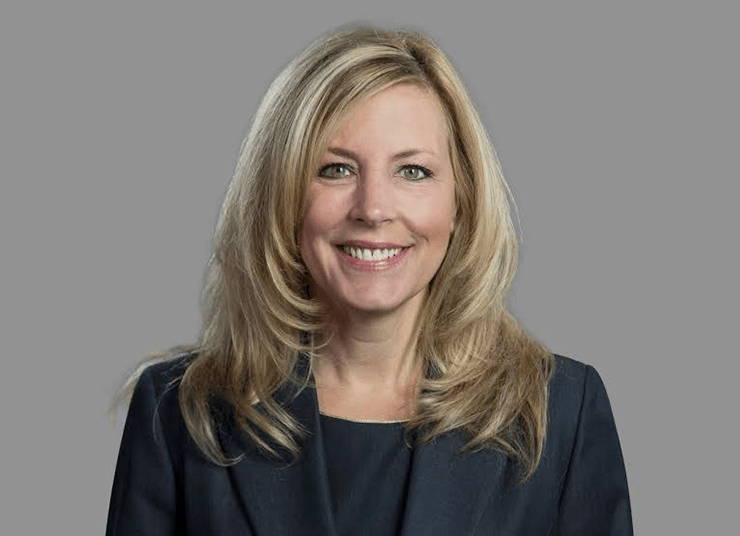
[[368, 469], [164, 486]]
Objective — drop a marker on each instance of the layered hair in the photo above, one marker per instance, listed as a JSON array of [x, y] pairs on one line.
[[483, 374]]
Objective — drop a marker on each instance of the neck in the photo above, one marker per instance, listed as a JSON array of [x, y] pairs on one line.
[[368, 367]]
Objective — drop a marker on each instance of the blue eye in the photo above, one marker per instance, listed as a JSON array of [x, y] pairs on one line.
[[415, 173], [335, 171]]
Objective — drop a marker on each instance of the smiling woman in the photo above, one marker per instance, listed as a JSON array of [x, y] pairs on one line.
[[358, 371], [373, 236], [381, 203]]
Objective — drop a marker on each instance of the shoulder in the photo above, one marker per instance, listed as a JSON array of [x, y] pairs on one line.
[[152, 453], [162, 375], [155, 431], [579, 416], [570, 378], [575, 390], [154, 398], [567, 368], [584, 449]]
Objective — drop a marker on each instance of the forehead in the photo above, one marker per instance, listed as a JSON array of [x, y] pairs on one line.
[[397, 118]]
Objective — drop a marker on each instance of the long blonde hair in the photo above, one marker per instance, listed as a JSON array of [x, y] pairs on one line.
[[484, 375]]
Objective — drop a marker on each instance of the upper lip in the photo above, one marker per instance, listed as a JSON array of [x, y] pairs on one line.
[[364, 244]]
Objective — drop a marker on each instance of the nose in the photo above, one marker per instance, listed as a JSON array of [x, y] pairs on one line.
[[373, 199]]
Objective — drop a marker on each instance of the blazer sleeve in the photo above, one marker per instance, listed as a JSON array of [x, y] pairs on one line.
[[595, 500], [143, 499]]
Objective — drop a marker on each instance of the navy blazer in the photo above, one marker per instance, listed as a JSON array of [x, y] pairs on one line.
[[163, 485]]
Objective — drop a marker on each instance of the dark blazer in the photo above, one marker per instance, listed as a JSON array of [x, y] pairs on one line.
[[163, 485]]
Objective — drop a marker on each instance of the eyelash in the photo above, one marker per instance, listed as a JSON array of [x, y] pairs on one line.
[[426, 171]]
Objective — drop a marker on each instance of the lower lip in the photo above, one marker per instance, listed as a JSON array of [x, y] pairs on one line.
[[371, 266]]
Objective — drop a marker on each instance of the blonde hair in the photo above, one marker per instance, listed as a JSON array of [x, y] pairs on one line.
[[483, 373]]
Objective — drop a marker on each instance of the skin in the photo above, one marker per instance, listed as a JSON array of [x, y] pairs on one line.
[[386, 182]]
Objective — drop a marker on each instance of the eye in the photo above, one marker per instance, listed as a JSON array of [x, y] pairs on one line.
[[335, 171], [415, 173]]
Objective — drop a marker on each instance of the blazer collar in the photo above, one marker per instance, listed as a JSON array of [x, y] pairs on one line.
[[448, 490]]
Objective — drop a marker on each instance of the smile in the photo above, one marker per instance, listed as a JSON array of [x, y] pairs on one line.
[[366, 254]]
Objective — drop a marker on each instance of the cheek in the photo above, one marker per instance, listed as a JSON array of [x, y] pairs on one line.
[[441, 216], [308, 239], [437, 227], [308, 250], [311, 221], [317, 223]]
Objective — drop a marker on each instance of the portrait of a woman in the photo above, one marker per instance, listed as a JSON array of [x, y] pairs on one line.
[[358, 371]]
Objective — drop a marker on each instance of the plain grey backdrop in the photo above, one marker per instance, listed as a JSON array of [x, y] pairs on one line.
[[617, 127]]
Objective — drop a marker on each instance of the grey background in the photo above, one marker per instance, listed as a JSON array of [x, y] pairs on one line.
[[616, 124]]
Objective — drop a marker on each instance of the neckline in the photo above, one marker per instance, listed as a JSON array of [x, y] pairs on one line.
[[362, 421]]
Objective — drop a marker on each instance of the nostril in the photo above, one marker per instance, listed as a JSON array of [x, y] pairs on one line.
[[372, 209]]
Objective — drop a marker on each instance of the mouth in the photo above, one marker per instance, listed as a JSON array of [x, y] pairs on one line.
[[371, 254]]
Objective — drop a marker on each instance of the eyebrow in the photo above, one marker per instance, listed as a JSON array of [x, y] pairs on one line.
[[398, 156]]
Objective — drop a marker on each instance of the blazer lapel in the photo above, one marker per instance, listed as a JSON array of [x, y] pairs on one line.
[[282, 499], [449, 489]]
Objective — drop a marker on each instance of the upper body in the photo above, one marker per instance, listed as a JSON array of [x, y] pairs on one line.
[[164, 485], [366, 244]]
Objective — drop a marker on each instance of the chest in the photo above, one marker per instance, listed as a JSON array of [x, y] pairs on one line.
[[351, 480]]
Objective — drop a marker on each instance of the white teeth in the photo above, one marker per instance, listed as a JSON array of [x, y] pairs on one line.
[[371, 254]]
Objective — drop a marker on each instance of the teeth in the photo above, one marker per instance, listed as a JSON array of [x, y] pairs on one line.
[[371, 254]]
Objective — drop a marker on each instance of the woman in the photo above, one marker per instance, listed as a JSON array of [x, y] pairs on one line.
[[358, 372]]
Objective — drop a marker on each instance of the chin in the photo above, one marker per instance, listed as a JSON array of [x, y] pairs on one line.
[[371, 307], [378, 305]]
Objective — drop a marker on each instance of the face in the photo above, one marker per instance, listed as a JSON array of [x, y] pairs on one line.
[[382, 205]]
